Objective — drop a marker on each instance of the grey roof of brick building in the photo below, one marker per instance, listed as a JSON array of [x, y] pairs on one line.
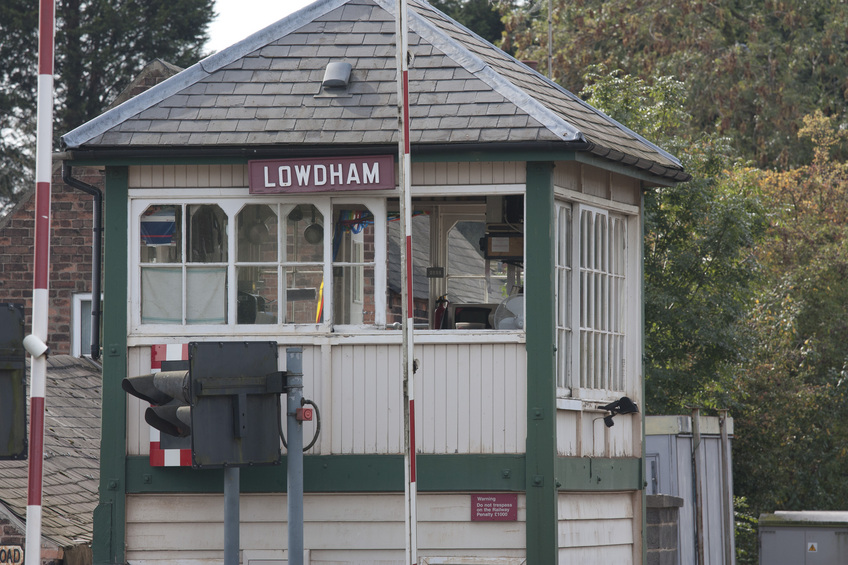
[[71, 468], [264, 94]]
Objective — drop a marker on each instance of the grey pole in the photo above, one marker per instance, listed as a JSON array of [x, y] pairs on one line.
[[294, 454], [231, 515]]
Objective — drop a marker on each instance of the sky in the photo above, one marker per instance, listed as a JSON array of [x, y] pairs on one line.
[[238, 19]]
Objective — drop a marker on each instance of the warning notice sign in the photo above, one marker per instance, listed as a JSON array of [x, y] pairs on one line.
[[812, 547], [500, 507]]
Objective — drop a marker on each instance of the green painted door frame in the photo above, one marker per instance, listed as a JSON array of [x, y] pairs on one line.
[[539, 296], [110, 514]]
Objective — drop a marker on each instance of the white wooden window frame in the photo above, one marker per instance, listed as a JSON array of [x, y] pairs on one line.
[[232, 203], [78, 341], [596, 340]]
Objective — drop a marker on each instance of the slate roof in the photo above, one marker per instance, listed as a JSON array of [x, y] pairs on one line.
[[264, 93], [71, 468]]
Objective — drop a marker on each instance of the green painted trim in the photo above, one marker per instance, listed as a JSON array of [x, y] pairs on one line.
[[109, 523], [613, 167], [428, 157], [341, 473], [644, 412], [599, 474], [541, 476]]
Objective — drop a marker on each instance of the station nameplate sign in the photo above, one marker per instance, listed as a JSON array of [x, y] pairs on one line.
[[321, 174], [499, 507], [11, 555]]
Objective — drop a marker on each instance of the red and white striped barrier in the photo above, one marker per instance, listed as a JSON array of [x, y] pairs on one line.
[[167, 457], [40, 288]]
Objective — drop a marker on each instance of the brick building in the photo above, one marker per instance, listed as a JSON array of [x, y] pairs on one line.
[[70, 261]]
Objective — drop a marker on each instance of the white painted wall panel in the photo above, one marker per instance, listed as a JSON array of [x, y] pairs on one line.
[[345, 528], [595, 527], [470, 397]]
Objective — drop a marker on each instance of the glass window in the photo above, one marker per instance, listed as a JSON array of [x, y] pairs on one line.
[[599, 241], [353, 265], [302, 264], [257, 265], [178, 292]]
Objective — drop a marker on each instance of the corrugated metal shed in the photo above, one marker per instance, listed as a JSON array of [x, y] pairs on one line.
[[71, 455], [265, 92]]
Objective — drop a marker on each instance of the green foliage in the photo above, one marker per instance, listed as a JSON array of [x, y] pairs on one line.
[[100, 46], [480, 16], [753, 68], [699, 264], [791, 392]]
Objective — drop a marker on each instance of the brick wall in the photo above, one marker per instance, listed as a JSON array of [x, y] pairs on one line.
[[70, 254], [663, 526]]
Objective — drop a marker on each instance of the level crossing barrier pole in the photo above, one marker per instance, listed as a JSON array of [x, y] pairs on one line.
[[36, 342]]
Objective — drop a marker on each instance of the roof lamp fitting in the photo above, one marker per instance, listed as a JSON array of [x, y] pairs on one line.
[[621, 406], [337, 75]]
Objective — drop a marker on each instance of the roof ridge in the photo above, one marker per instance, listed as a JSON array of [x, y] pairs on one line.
[[484, 71]]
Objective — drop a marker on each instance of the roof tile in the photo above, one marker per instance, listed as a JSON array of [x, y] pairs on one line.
[[462, 89]]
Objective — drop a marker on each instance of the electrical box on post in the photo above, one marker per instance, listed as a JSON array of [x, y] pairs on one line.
[[13, 433]]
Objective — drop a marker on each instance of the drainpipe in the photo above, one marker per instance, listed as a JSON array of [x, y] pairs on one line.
[[697, 474], [96, 253]]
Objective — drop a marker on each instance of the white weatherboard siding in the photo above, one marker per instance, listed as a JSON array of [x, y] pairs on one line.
[[470, 397], [338, 528], [600, 527], [368, 528]]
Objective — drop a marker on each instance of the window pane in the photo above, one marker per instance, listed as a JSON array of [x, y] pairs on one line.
[[304, 234], [353, 302], [471, 278], [161, 235], [207, 234], [353, 265], [257, 295], [420, 262], [161, 295], [303, 294], [257, 234], [206, 299]]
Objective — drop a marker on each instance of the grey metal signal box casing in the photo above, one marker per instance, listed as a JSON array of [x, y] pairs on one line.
[[13, 440], [804, 538]]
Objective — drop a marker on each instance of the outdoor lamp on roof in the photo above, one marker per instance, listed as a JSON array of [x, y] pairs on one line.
[[337, 75]]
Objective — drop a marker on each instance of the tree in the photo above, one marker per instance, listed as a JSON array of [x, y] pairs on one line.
[[480, 16], [699, 239], [753, 68], [100, 46], [793, 388]]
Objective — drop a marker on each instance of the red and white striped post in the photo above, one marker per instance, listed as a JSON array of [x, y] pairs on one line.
[[37, 340], [404, 184]]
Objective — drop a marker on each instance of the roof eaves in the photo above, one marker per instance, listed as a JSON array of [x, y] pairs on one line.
[[480, 69], [196, 73]]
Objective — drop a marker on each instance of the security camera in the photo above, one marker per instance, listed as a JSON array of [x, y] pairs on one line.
[[35, 346]]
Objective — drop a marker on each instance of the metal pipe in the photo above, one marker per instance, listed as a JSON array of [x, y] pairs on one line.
[[294, 454], [231, 515], [696, 484], [726, 490], [96, 252]]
